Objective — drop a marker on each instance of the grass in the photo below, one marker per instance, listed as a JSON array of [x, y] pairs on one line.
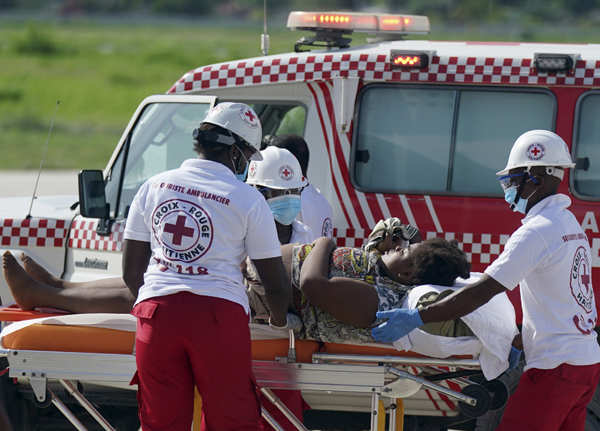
[[100, 70]]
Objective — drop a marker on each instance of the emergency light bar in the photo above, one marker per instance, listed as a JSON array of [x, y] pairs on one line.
[[360, 22]]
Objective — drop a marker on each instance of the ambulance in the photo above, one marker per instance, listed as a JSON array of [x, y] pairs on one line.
[[409, 128]]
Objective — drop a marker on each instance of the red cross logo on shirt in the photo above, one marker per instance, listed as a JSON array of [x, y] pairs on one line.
[[585, 277], [179, 230], [581, 280]]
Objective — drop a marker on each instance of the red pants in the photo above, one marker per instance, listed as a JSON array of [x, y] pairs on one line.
[[186, 339], [550, 400]]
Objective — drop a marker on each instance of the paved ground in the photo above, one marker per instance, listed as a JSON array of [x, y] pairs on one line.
[[22, 183]]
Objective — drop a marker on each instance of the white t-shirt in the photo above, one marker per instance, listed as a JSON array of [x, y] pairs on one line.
[[549, 255], [301, 233], [201, 222], [316, 212]]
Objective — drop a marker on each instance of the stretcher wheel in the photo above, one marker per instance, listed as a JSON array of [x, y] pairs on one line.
[[499, 392], [497, 389], [483, 398], [43, 404]]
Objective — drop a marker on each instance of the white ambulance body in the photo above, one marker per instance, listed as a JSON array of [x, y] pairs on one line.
[[414, 129]]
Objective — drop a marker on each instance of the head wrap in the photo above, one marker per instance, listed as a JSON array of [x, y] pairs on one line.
[[392, 226]]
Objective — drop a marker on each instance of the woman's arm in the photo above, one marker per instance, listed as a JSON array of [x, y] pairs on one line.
[[351, 301], [315, 269]]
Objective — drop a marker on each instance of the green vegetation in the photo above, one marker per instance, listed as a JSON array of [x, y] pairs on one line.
[[100, 71]]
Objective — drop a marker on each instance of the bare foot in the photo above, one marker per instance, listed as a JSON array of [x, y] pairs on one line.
[[20, 284], [39, 273]]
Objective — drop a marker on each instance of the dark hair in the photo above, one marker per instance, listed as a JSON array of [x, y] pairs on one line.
[[212, 148], [296, 145], [438, 261]]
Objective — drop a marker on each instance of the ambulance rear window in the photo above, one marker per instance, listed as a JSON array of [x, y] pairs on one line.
[[441, 140], [586, 175]]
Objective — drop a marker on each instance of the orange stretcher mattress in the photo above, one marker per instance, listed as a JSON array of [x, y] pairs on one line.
[[63, 337], [13, 313]]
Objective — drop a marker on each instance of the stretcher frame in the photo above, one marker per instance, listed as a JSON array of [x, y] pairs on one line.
[[378, 376]]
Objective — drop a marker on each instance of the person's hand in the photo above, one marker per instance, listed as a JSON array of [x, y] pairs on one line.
[[400, 322], [514, 357]]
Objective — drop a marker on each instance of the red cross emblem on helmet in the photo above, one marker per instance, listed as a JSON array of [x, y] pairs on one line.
[[249, 116], [286, 173], [252, 169], [535, 151]]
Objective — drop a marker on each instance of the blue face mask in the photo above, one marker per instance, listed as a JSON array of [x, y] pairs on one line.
[[285, 208], [510, 195], [243, 175]]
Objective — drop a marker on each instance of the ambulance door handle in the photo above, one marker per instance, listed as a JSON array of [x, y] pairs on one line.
[[582, 163], [362, 156]]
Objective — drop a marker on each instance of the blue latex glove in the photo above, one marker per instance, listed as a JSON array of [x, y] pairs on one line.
[[400, 322], [514, 357]]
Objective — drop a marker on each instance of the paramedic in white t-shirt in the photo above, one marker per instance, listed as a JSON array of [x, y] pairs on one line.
[[278, 177], [316, 211], [187, 232], [549, 256]]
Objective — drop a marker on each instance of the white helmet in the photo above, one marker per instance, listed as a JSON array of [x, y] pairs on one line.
[[278, 169], [538, 148], [240, 119]]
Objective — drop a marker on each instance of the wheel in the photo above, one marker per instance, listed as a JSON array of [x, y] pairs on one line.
[[490, 420], [497, 389], [592, 421], [499, 392], [484, 400]]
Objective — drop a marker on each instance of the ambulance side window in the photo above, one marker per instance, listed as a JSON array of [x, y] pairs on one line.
[[488, 124], [442, 140], [585, 177], [281, 118]]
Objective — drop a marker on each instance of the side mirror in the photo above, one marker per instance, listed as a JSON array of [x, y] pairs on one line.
[[92, 200]]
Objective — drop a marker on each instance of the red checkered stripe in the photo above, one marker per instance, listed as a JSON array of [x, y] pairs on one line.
[[376, 67], [33, 232], [480, 248], [350, 237], [83, 235]]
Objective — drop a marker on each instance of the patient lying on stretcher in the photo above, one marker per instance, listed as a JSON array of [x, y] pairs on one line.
[[337, 292], [362, 282], [337, 300]]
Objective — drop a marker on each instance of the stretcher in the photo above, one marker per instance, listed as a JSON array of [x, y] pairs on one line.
[[99, 349]]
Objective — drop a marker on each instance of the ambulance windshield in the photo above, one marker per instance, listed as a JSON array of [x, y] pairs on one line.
[[161, 140]]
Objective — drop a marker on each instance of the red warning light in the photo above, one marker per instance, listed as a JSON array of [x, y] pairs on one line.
[[333, 19], [410, 60], [391, 23], [407, 60]]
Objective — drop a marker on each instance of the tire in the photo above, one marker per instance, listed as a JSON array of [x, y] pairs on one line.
[[592, 421], [490, 420]]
